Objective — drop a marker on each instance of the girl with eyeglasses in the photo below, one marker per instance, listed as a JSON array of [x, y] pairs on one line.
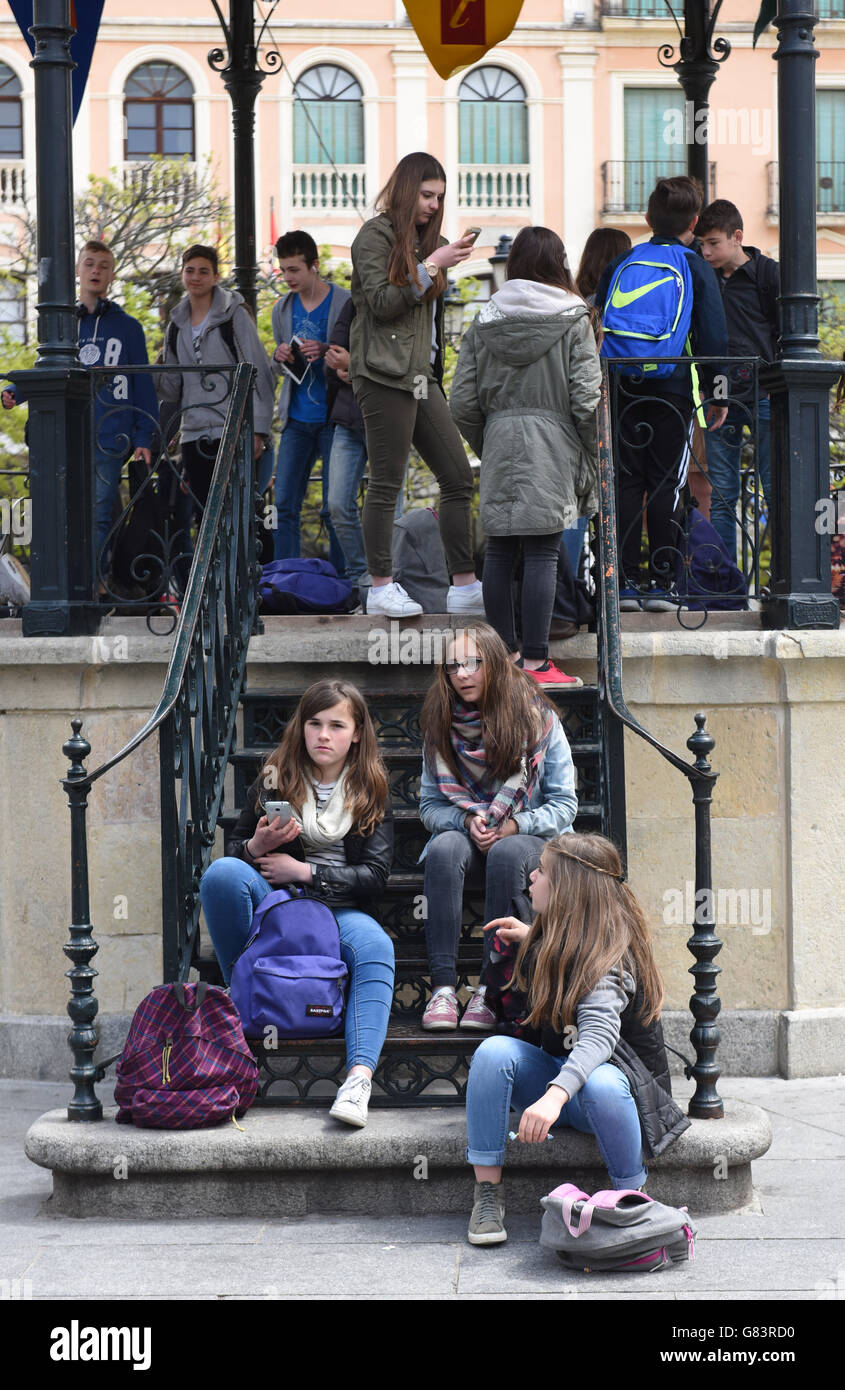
[[497, 783]]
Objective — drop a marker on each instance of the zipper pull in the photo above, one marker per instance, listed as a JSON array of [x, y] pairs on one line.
[[165, 1061]]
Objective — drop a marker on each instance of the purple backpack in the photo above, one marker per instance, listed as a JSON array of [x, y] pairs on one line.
[[304, 586], [186, 1063], [290, 976]]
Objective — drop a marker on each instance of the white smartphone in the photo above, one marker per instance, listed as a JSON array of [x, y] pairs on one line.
[[298, 368], [278, 810]]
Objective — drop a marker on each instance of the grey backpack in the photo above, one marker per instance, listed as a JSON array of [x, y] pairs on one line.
[[419, 562], [622, 1230]]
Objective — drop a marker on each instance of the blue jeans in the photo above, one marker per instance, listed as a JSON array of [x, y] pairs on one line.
[[230, 892], [348, 461], [302, 443], [724, 448], [573, 539], [507, 1071], [107, 470]]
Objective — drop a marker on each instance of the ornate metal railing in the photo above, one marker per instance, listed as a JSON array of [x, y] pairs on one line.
[[703, 944], [627, 183], [195, 720], [830, 185], [686, 572]]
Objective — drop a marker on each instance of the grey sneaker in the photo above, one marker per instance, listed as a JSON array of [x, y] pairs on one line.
[[477, 1015], [352, 1100], [487, 1223]]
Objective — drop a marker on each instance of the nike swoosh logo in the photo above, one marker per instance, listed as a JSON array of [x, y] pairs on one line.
[[621, 298]]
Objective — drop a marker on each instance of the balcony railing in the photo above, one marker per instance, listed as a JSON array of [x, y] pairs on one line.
[[627, 183], [155, 178], [329, 188], [636, 9], [830, 187], [494, 187], [12, 184]]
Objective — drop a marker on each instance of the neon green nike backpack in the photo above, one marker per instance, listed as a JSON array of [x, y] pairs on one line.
[[648, 309]]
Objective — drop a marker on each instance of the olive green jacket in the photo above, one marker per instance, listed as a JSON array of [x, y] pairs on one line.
[[524, 397], [390, 336]]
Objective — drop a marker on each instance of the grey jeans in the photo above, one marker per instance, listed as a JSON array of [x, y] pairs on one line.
[[452, 862]]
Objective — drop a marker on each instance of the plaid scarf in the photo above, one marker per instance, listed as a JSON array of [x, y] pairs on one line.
[[476, 790]]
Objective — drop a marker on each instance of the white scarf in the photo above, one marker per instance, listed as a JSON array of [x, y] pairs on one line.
[[331, 825]]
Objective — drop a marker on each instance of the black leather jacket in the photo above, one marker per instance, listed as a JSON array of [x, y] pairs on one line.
[[359, 882]]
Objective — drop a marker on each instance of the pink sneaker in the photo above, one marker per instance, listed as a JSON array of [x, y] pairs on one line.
[[442, 1011], [549, 676], [477, 1015]]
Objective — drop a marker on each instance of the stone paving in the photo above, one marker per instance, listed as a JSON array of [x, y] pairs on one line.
[[788, 1245]]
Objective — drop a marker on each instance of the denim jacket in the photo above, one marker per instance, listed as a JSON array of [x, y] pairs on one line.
[[551, 807]]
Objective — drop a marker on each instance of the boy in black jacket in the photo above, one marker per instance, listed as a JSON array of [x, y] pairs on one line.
[[750, 284], [653, 432]]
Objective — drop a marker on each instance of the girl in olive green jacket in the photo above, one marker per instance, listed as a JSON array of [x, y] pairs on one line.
[[396, 357]]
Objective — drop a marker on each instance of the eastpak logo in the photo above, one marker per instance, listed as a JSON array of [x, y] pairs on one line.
[[318, 1010], [77, 1343]]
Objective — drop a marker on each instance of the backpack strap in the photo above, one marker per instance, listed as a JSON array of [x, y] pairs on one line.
[[172, 340], [227, 333], [179, 991]]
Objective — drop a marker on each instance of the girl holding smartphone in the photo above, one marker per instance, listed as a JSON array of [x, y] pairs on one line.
[[338, 843], [399, 260]]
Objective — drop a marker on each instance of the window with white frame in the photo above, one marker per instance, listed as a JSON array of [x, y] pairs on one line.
[[654, 143], [830, 150], [493, 150], [11, 120], [328, 139], [158, 109]]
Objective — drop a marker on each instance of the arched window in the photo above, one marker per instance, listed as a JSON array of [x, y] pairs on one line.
[[159, 112], [11, 124], [493, 118], [328, 117]]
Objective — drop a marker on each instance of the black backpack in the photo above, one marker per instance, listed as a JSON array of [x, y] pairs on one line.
[[227, 333]]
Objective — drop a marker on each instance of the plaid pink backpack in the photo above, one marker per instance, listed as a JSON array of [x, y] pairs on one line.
[[186, 1063]]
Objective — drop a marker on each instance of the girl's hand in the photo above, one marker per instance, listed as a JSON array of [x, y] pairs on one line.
[[280, 869], [283, 353], [538, 1119], [257, 446], [447, 256], [268, 837], [480, 832], [508, 827], [508, 929]]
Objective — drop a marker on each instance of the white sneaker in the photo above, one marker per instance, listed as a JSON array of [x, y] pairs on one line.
[[351, 1101], [467, 599], [392, 601]]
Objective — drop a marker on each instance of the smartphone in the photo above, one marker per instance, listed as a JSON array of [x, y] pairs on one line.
[[298, 367], [474, 232], [280, 810]]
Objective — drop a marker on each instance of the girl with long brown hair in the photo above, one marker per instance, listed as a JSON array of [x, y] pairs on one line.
[[524, 397], [338, 842], [399, 260], [497, 783], [582, 971]]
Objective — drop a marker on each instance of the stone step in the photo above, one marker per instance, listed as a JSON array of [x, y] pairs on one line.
[[298, 1162]]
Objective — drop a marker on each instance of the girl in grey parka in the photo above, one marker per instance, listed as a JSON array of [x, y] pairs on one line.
[[524, 397]]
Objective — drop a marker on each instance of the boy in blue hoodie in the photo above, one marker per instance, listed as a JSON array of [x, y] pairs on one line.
[[654, 431], [126, 406]]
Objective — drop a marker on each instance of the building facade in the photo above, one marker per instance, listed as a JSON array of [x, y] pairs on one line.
[[567, 124]]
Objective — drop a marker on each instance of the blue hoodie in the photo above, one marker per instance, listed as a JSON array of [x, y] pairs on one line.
[[127, 409]]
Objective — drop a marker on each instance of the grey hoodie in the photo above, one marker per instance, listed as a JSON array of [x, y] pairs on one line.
[[204, 410], [524, 397]]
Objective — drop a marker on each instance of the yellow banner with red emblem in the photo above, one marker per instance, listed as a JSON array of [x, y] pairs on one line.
[[455, 33]]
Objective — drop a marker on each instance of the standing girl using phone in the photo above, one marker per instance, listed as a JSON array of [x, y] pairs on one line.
[[339, 843], [399, 260], [585, 962]]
